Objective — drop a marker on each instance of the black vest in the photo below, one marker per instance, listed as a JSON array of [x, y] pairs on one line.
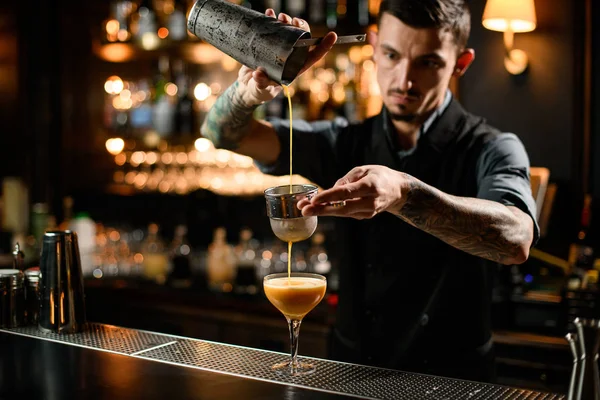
[[404, 294]]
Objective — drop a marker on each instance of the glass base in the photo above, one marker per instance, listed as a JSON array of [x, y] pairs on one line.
[[293, 369]]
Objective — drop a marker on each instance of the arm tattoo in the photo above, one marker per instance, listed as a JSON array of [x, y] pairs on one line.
[[480, 227], [228, 121]]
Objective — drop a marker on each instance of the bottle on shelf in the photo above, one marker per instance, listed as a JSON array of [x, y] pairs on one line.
[[67, 213], [177, 22], [581, 251], [141, 116], [85, 228], [295, 8], [316, 12], [144, 26], [181, 274], [156, 262], [164, 109], [331, 14], [185, 117], [122, 12], [274, 4], [245, 280], [317, 255], [221, 263]]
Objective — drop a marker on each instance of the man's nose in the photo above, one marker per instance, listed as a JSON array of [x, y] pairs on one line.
[[403, 77]]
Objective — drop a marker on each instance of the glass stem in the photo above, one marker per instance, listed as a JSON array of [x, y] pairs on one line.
[[294, 325]]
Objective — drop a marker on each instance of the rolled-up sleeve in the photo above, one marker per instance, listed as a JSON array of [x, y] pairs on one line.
[[314, 150], [503, 175]]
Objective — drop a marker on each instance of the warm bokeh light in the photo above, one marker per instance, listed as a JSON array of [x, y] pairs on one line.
[[123, 35], [151, 139], [150, 41], [113, 85], [163, 33], [114, 52], [202, 91], [202, 145], [171, 89], [181, 158], [125, 94], [513, 15], [151, 158], [112, 27], [115, 145], [355, 54], [120, 159], [167, 158], [138, 157]]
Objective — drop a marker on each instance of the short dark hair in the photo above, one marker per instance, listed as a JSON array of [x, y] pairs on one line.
[[452, 15]]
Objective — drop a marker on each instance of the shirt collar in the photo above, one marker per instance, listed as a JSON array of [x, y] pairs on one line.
[[435, 115]]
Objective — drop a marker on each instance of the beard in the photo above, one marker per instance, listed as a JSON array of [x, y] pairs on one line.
[[403, 115]]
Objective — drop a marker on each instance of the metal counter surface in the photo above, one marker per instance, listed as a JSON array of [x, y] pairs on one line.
[[108, 362]]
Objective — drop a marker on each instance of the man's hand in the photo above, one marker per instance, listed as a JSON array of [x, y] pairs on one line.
[[363, 193], [255, 87]]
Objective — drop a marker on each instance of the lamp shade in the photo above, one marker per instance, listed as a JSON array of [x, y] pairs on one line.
[[509, 15]]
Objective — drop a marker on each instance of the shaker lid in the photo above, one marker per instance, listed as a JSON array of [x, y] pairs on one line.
[[11, 278]]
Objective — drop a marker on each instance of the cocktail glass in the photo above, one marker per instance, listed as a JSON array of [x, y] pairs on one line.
[[294, 296]]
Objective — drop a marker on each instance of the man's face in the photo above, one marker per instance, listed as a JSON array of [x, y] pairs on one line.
[[414, 67]]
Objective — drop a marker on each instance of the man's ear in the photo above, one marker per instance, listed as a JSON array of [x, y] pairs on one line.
[[372, 37], [465, 58]]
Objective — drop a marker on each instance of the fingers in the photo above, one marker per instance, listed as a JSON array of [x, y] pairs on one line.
[[303, 203], [343, 192], [300, 23], [320, 50], [357, 208], [354, 175], [269, 12], [261, 78], [285, 18]]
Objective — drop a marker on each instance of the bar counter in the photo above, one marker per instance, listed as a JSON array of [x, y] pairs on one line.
[[108, 362]]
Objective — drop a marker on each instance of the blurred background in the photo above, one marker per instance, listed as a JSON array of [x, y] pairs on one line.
[[100, 108]]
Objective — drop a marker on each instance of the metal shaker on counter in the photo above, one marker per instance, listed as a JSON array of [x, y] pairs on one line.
[[12, 298], [12, 293], [62, 303], [585, 344]]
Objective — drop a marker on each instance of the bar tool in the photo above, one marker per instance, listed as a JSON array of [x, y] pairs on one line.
[[573, 345], [254, 39], [287, 221], [62, 303], [588, 335]]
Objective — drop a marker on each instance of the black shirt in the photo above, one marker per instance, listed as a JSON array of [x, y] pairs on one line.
[[408, 300]]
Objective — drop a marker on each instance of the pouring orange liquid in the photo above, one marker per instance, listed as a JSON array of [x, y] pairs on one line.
[[286, 90]]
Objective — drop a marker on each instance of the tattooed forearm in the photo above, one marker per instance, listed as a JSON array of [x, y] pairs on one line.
[[480, 227], [228, 121]]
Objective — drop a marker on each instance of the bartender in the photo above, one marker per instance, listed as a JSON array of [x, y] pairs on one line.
[[433, 196]]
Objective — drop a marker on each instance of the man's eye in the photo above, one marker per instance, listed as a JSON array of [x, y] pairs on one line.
[[391, 56], [430, 64]]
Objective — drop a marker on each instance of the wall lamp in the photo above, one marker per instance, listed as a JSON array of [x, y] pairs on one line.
[[510, 17]]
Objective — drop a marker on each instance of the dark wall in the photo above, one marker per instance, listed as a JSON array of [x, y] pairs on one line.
[[537, 106], [544, 106], [596, 101], [9, 88]]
